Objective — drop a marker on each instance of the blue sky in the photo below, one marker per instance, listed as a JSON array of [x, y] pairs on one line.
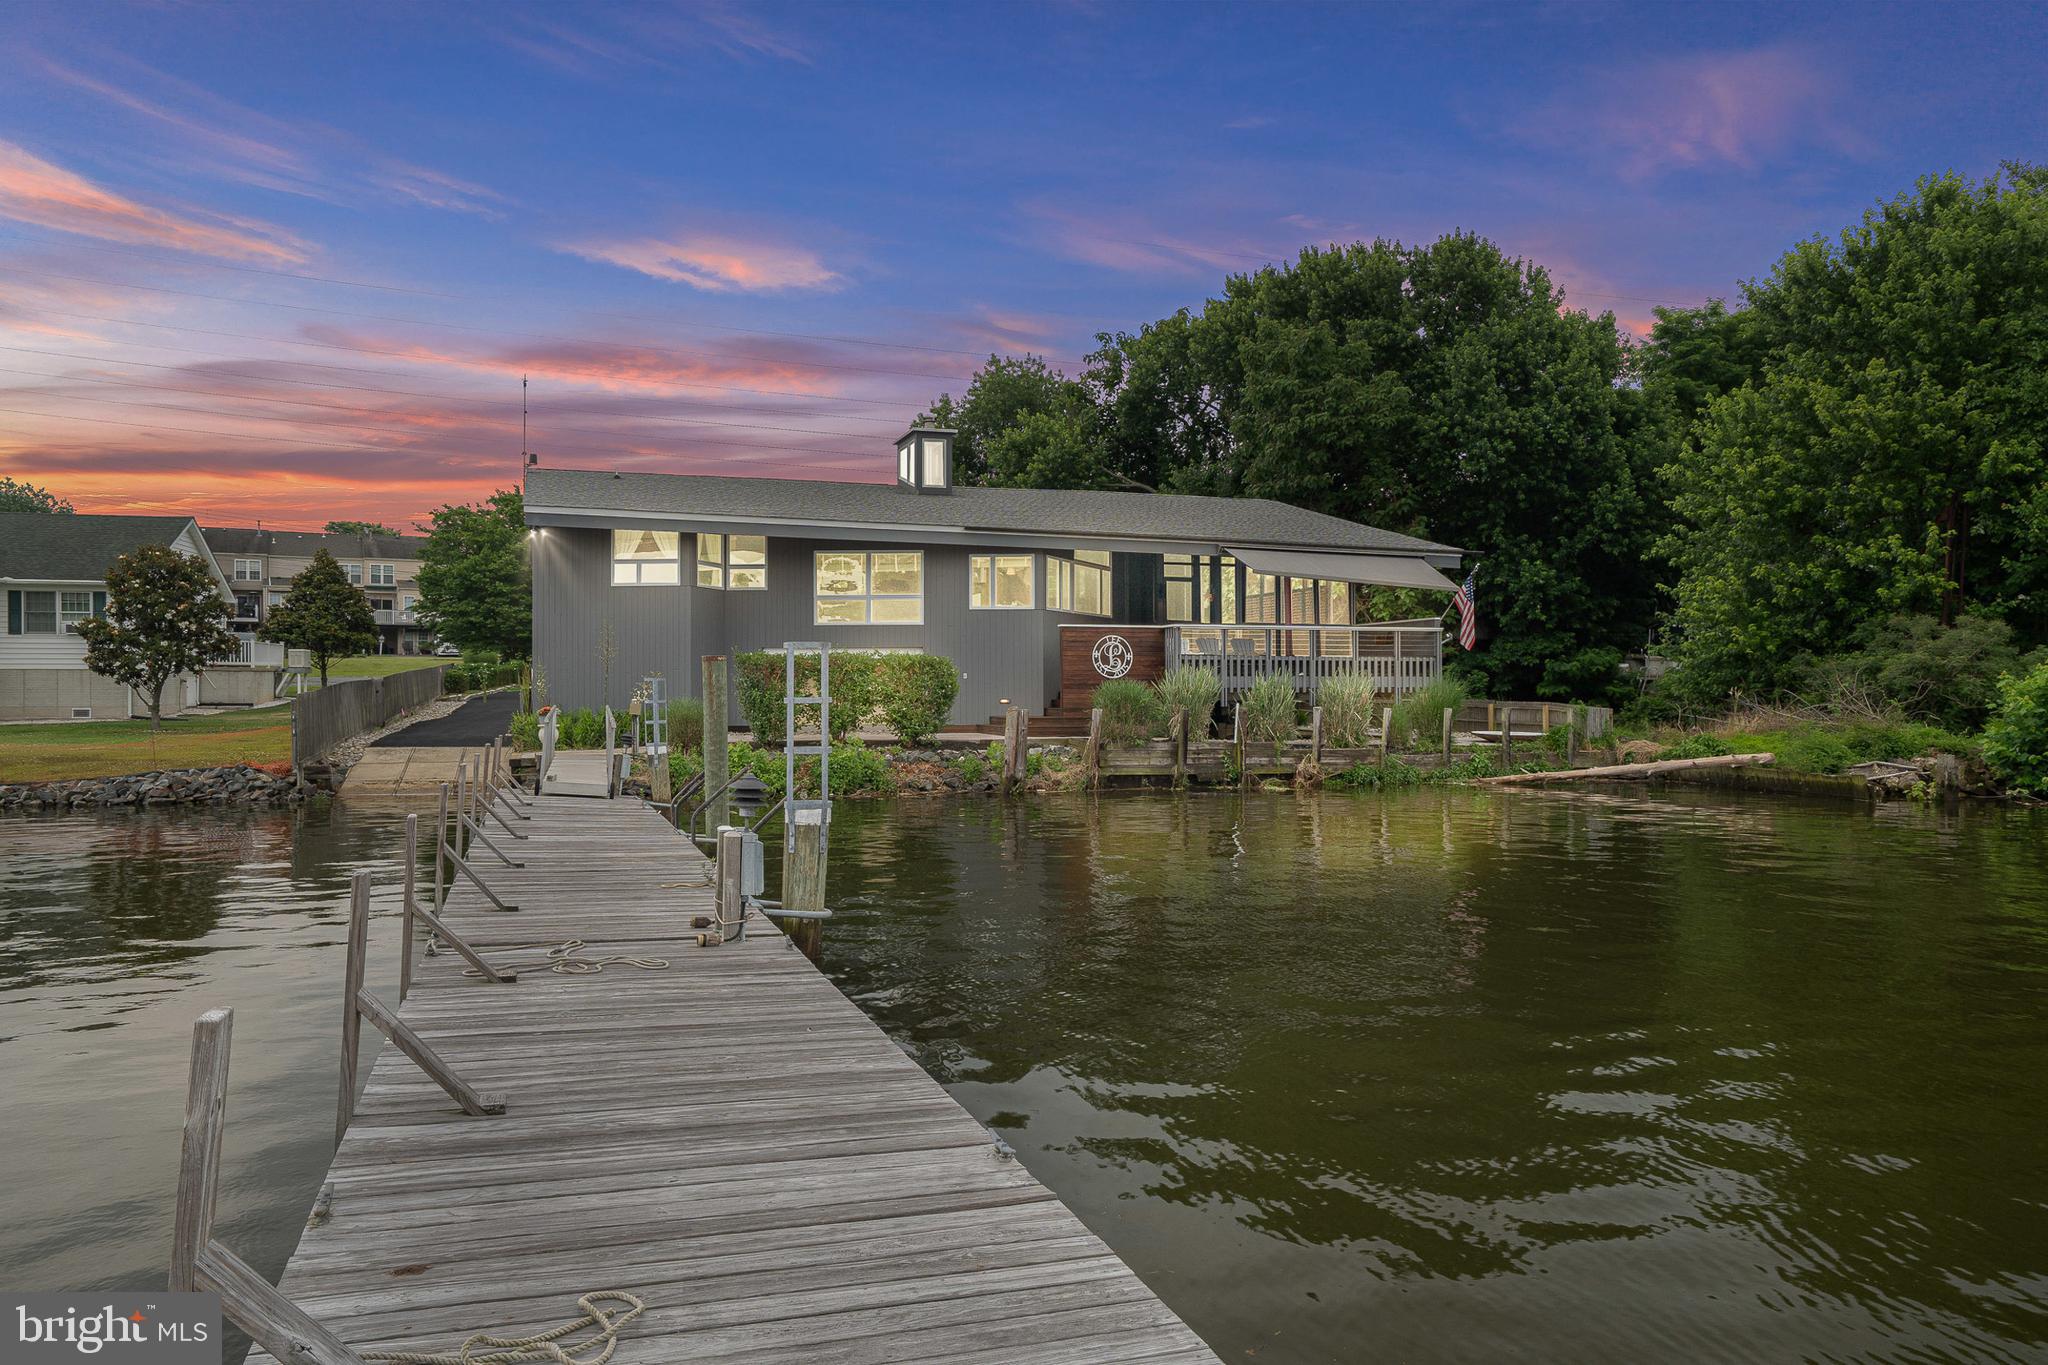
[[290, 261]]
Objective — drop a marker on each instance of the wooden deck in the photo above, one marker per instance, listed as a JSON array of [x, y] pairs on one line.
[[730, 1139]]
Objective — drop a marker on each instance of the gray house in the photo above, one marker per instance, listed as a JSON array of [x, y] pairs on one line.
[[1036, 595]]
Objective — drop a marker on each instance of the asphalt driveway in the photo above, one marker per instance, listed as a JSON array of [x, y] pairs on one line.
[[471, 725]]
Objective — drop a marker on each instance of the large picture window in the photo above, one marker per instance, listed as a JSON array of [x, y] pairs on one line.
[[739, 562], [863, 587], [1080, 584], [1001, 582], [646, 557]]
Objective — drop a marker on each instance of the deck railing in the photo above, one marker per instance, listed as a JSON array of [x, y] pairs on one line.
[[1398, 656]]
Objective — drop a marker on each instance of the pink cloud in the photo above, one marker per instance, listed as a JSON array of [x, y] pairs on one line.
[[1719, 108], [33, 190], [1126, 243], [714, 263]]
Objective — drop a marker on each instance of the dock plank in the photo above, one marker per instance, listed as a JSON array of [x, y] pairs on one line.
[[727, 1137]]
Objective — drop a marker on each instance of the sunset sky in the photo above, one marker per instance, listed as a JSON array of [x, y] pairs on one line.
[[289, 262]]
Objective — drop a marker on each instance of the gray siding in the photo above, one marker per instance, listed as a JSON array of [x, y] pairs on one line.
[[1000, 654]]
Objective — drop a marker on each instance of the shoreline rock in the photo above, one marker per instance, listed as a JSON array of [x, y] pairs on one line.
[[238, 784]]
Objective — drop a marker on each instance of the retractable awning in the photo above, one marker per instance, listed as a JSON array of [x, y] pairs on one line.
[[1388, 571]]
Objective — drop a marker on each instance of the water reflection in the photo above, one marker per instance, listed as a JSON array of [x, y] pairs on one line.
[[1455, 1073]]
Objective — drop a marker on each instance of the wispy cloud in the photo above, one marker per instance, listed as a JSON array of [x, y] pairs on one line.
[[35, 191], [220, 138], [715, 263], [1133, 245], [648, 37], [1734, 109]]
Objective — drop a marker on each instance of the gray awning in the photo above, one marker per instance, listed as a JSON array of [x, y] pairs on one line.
[[1388, 571]]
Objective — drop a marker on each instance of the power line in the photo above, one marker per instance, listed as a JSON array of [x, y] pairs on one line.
[[462, 298], [456, 327]]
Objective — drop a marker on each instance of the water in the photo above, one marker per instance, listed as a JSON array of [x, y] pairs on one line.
[[1438, 1076]]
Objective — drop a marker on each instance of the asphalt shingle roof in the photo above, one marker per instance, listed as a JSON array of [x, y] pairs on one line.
[[247, 540], [70, 547], [1053, 511]]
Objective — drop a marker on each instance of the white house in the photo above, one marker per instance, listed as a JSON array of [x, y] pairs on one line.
[[54, 567]]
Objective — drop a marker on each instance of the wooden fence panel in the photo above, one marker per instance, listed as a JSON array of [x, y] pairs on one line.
[[324, 718]]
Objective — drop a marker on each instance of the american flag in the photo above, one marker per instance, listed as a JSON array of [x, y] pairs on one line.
[[1466, 600]]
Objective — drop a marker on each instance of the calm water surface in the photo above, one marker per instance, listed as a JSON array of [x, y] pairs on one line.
[[1437, 1076]]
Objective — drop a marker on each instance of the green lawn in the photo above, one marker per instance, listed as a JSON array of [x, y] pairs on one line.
[[380, 665], [110, 748]]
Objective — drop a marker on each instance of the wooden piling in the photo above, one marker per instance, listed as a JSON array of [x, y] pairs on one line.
[[731, 907], [1386, 732], [1449, 715], [351, 986], [440, 839], [716, 770], [1094, 752], [412, 862], [1244, 772], [1507, 735], [1571, 735], [206, 1105], [1315, 737], [1014, 740], [803, 881], [1179, 735]]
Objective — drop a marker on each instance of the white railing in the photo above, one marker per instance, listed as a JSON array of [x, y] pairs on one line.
[[1398, 656], [260, 653]]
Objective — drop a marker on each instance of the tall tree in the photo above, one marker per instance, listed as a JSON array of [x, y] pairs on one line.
[[1023, 424], [476, 585], [26, 497], [1893, 455], [324, 613], [165, 615], [1439, 390], [358, 528], [1694, 355]]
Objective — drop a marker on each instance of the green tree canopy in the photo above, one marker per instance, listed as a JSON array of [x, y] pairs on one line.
[[165, 615], [476, 586], [1023, 424], [1889, 456], [26, 497], [324, 613], [358, 528]]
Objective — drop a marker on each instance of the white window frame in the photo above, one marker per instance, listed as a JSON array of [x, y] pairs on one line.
[[28, 596], [383, 576], [68, 617], [248, 571], [1030, 583], [867, 596], [630, 571], [354, 573]]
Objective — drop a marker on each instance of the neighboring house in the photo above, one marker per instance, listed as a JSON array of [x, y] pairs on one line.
[[1037, 595], [54, 569], [261, 565]]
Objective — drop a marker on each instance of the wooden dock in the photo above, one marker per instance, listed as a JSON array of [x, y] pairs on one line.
[[728, 1138]]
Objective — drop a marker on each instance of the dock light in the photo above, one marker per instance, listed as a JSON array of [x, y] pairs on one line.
[[749, 794]]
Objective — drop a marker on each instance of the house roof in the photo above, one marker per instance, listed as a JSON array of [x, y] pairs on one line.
[[76, 547], [248, 540], [1174, 517]]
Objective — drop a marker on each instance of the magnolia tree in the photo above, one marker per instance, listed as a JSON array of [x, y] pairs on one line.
[[324, 614], [165, 615]]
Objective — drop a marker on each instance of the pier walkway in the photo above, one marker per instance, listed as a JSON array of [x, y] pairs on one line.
[[728, 1138]]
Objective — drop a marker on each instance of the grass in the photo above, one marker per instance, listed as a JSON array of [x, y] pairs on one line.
[[114, 748]]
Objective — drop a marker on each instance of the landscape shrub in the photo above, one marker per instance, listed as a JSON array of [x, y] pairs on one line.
[[581, 729], [973, 767], [917, 692], [1131, 712], [1193, 688], [685, 723], [683, 764], [1269, 709], [2016, 740], [1696, 746], [1349, 702], [858, 770], [758, 678], [525, 730], [1918, 668], [1419, 715]]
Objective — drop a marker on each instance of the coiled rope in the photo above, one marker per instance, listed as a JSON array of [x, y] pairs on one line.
[[562, 959], [485, 1348]]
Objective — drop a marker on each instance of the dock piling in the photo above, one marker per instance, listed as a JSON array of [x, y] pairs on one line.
[[803, 881], [716, 768]]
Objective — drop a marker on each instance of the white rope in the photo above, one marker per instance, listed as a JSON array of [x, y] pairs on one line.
[[497, 1350], [562, 959]]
